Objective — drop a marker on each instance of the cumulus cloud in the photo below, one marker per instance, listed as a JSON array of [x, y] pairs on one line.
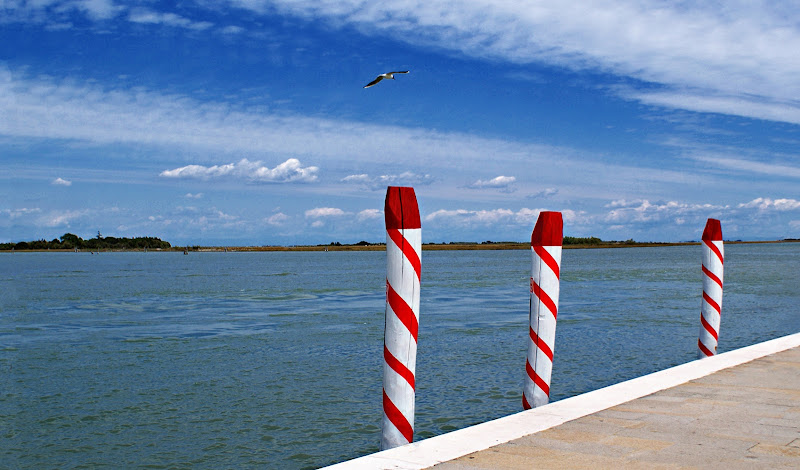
[[767, 204], [289, 171], [61, 182], [61, 218], [319, 212], [643, 211], [278, 219], [367, 214], [193, 196], [381, 182], [503, 183], [465, 217]]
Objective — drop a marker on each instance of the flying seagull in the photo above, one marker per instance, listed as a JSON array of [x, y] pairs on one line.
[[382, 76]]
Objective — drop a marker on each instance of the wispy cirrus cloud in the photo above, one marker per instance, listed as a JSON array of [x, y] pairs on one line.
[[545, 193], [739, 59], [289, 171], [148, 16], [381, 182], [47, 108], [21, 212]]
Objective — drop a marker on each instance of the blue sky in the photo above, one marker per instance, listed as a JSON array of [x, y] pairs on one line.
[[244, 122]]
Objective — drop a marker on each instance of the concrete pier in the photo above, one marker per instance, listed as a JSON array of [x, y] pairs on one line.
[[739, 409]]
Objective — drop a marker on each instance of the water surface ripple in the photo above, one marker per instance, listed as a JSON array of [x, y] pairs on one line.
[[244, 360]]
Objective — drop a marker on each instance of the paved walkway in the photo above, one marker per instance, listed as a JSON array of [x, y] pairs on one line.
[[739, 409], [747, 416]]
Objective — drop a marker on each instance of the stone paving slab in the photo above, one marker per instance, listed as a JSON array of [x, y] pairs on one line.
[[747, 417]]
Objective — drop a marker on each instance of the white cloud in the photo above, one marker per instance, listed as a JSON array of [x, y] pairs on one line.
[[749, 166], [51, 109], [643, 212], [767, 204], [367, 214], [98, 9], [16, 213], [503, 183], [289, 171], [319, 212], [468, 218], [232, 30], [738, 58], [381, 182], [193, 196], [62, 218], [147, 16], [277, 219], [545, 193], [61, 182]]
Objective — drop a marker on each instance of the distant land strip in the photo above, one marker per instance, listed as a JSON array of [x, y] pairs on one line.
[[70, 242]]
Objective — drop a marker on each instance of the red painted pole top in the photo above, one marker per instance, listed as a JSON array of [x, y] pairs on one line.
[[400, 209], [713, 230], [549, 229]]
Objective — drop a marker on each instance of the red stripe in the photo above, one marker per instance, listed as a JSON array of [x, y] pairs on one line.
[[711, 302], [713, 230], [525, 404], [549, 229], [407, 249], [536, 379], [398, 366], [396, 417], [402, 310], [541, 344], [548, 259], [714, 248], [704, 349], [709, 328], [712, 276], [544, 298]]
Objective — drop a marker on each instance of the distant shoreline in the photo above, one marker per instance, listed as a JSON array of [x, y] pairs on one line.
[[382, 247]]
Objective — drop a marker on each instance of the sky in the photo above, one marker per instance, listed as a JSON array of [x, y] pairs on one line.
[[245, 122]]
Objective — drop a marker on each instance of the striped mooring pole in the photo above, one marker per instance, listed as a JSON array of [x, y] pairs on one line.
[[403, 267], [711, 308], [546, 242]]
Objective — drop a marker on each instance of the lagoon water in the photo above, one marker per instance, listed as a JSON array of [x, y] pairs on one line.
[[237, 360]]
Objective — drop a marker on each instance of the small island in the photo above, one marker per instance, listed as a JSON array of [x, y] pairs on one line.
[[70, 241]]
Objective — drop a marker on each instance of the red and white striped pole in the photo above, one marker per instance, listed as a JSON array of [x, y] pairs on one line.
[[711, 309], [403, 267], [545, 275]]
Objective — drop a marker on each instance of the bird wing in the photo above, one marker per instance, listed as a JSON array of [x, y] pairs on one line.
[[380, 77], [404, 71]]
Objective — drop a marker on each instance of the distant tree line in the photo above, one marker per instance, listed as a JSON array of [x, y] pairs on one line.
[[70, 241]]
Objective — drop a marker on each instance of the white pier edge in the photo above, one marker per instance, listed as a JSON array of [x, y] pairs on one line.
[[446, 447]]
